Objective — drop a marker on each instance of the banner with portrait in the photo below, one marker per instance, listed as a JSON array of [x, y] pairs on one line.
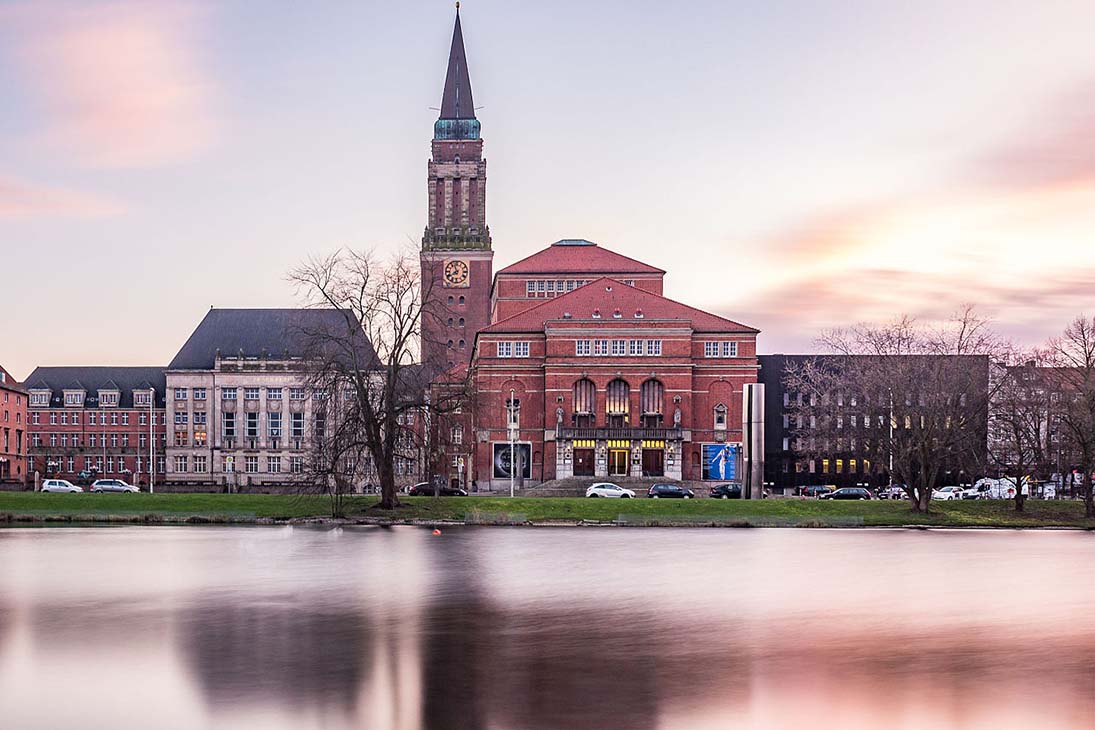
[[720, 462]]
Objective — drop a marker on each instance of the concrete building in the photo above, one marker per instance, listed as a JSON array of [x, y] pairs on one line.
[[241, 406], [14, 468], [88, 423]]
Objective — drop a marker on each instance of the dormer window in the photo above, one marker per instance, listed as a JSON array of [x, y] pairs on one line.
[[108, 397], [40, 398], [74, 397], [142, 397], [596, 314], [616, 314], [638, 314]]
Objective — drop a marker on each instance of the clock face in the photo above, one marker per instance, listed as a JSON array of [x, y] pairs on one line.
[[456, 273]]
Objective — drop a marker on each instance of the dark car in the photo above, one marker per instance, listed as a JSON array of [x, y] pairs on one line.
[[816, 490], [669, 491], [726, 491], [847, 493], [425, 489]]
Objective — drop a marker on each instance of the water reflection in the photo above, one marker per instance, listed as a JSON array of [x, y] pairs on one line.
[[516, 628]]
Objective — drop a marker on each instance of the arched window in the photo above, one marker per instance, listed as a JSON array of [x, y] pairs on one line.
[[461, 344], [652, 402], [585, 402], [461, 300], [450, 344], [450, 321], [617, 402], [450, 300], [461, 321]]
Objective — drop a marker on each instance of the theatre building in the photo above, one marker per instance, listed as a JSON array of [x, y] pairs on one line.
[[601, 376]]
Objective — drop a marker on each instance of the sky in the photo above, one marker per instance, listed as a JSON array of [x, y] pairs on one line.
[[793, 165]]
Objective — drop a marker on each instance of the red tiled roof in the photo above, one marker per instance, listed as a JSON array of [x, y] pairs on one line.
[[579, 257], [608, 295]]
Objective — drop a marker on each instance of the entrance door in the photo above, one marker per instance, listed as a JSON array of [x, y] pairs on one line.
[[583, 462], [653, 463], [617, 462]]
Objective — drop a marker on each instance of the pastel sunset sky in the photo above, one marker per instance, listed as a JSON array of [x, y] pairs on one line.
[[794, 165]]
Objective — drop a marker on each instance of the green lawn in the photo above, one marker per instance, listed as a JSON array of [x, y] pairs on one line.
[[244, 508]]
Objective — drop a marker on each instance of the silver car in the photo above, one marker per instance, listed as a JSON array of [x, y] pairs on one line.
[[605, 489], [60, 485], [112, 485]]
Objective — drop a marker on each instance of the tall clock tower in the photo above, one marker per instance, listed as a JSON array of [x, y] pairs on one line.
[[457, 258]]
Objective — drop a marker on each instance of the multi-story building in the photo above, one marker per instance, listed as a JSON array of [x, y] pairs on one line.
[[850, 424], [240, 399], [97, 422], [610, 380], [14, 469]]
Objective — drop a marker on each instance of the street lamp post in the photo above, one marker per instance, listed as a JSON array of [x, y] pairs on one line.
[[511, 410]]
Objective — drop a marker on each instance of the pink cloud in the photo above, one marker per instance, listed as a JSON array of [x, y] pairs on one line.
[[120, 84], [22, 200]]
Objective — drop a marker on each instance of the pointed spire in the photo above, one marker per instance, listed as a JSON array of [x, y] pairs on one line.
[[456, 103]]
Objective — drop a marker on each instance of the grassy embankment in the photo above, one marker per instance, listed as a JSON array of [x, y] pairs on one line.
[[24, 507]]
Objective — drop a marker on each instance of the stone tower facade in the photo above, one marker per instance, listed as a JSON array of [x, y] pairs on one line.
[[457, 259]]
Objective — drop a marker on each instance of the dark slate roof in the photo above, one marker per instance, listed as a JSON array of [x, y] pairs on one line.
[[274, 333], [456, 103], [94, 378], [7, 382]]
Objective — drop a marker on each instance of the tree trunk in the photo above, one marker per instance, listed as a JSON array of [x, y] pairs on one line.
[[1020, 499], [1089, 502], [389, 498]]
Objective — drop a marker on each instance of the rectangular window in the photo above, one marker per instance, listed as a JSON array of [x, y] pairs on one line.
[[199, 393], [125, 440], [653, 347], [34, 419], [252, 425], [228, 393], [142, 441], [181, 438], [297, 394], [505, 349], [142, 419], [53, 418], [635, 347], [199, 417], [64, 419], [201, 436], [710, 349], [113, 419], [273, 394], [228, 425], [520, 349], [180, 464], [296, 425], [730, 349], [296, 464], [250, 393], [180, 394], [251, 464], [600, 347], [93, 440], [181, 417], [273, 425], [541, 287], [619, 347], [273, 464], [125, 419], [581, 347]]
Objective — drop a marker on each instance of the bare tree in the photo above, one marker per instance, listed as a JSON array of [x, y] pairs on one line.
[[907, 398], [1071, 357], [370, 362], [1019, 420]]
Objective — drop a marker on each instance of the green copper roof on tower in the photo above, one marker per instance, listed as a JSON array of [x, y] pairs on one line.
[[457, 120]]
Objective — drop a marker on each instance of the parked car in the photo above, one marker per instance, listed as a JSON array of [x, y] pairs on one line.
[[847, 493], [112, 485], [669, 491], [726, 491], [816, 490], [946, 494], [894, 491], [425, 489], [981, 490], [605, 489], [60, 485]]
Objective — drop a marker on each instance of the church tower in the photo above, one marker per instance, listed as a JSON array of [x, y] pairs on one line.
[[457, 259]]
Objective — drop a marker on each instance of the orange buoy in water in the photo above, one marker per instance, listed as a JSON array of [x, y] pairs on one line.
[[436, 531]]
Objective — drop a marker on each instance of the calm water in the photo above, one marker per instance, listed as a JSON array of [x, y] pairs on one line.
[[545, 628]]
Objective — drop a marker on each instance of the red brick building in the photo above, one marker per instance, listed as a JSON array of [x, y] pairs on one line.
[[98, 422], [599, 373], [13, 431]]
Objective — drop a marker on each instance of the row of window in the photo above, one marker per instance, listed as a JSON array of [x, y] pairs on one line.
[[249, 393], [720, 349], [273, 425], [631, 348], [547, 288], [198, 464], [66, 418], [18, 416], [513, 349], [852, 400], [94, 440], [111, 465]]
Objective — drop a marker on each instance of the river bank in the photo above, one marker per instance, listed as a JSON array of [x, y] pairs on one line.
[[179, 509]]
